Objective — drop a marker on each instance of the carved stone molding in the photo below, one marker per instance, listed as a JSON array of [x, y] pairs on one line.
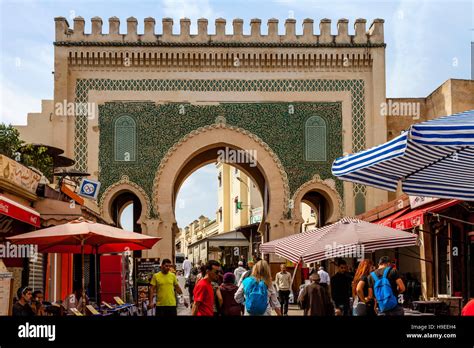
[[327, 186], [124, 184], [220, 123]]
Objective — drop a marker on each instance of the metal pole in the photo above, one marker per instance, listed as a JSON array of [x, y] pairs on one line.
[[83, 280], [97, 289], [294, 274]]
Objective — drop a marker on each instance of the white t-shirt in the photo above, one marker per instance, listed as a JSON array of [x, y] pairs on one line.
[[187, 266], [324, 276], [238, 273]]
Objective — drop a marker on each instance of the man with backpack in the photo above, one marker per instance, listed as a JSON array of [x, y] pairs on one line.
[[385, 285]]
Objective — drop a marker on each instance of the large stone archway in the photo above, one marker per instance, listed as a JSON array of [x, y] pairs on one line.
[[180, 161]]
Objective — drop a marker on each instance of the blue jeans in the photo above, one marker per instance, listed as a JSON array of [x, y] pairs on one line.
[[397, 311]]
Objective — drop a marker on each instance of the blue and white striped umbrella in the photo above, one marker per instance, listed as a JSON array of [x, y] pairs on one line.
[[433, 158]]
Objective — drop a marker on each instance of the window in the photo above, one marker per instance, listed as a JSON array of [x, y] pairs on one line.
[[315, 139], [359, 203], [125, 139]]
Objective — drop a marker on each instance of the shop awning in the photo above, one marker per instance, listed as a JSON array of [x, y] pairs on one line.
[[232, 239], [19, 211], [415, 217], [387, 221]]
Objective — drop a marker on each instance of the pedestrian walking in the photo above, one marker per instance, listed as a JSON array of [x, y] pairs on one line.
[[217, 292], [385, 285], [202, 273], [204, 293], [191, 283], [247, 273], [341, 288], [283, 284], [363, 304], [187, 266], [230, 307], [239, 271], [324, 276], [165, 284], [257, 292], [315, 299]]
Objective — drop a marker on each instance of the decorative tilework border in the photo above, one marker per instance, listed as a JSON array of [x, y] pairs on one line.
[[355, 87]]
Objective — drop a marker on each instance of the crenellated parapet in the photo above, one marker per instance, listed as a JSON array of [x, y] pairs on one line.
[[361, 36]]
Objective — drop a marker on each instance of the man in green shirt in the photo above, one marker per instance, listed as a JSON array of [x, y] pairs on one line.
[[164, 284]]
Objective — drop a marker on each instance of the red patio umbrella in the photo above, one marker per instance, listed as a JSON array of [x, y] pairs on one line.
[[85, 237]]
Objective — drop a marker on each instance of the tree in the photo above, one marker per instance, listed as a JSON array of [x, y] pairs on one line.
[[9, 140], [37, 157], [29, 155]]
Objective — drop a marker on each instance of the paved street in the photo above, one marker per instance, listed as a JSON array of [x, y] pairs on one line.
[[182, 310]]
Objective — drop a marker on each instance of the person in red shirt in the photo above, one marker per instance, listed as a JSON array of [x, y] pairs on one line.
[[468, 309], [204, 293]]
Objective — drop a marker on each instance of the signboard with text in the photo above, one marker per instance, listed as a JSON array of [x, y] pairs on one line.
[[18, 174], [6, 287], [418, 201], [144, 270]]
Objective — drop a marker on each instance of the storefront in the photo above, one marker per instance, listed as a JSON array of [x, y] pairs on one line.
[[63, 270], [442, 263], [255, 239], [23, 266], [227, 248]]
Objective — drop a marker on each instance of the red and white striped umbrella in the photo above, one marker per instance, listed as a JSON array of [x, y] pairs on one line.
[[348, 237], [289, 247]]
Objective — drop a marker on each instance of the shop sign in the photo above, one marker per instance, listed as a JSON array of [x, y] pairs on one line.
[[418, 201], [18, 174], [89, 188]]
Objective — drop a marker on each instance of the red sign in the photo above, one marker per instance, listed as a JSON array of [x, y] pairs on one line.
[[19, 212]]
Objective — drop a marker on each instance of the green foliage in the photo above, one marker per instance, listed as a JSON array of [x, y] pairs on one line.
[[9, 140], [30, 156], [37, 157]]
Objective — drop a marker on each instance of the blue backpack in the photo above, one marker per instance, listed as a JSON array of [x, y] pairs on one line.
[[256, 296], [383, 291]]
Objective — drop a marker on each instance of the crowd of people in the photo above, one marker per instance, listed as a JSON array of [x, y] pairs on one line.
[[250, 290]]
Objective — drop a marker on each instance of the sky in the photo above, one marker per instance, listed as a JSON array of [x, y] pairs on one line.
[[428, 42]]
